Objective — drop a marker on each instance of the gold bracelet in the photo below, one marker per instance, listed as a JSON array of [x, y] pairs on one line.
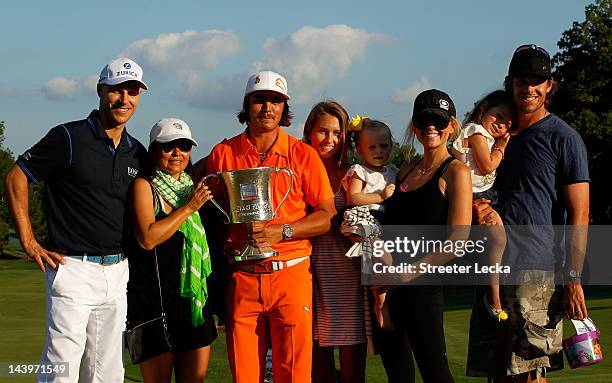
[[499, 150]]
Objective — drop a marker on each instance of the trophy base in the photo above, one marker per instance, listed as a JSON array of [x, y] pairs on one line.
[[249, 253]]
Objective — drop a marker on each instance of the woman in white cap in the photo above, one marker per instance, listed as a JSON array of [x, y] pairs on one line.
[[170, 256]]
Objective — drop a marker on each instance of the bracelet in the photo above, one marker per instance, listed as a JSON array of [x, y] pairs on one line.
[[499, 150]]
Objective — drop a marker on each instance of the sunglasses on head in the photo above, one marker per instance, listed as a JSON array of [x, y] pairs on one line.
[[430, 119], [182, 145], [532, 46]]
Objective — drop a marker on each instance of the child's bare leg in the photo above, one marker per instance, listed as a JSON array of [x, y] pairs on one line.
[[497, 244]]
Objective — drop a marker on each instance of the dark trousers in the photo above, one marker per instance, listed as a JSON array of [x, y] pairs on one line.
[[417, 312], [396, 355]]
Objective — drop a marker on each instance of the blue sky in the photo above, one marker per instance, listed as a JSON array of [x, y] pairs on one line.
[[372, 56]]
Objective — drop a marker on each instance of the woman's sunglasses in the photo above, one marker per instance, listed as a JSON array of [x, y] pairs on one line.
[[430, 119], [182, 145]]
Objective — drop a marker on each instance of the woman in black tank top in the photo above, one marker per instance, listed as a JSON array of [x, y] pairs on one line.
[[425, 205], [168, 249], [435, 190]]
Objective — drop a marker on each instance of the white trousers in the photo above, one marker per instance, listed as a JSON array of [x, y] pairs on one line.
[[86, 314]]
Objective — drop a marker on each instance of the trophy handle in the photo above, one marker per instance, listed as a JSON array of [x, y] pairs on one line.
[[227, 217], [290, 173]]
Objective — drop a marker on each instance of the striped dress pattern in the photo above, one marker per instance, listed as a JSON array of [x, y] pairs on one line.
[[338, 295]]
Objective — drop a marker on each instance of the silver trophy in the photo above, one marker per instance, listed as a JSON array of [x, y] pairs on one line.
[[249, 196]]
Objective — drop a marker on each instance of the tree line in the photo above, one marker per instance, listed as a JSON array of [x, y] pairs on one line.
[[35, 193], [583, 68]]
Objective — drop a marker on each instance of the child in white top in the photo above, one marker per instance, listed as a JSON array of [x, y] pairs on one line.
[[373, 182], [371, 186], [481, 145]]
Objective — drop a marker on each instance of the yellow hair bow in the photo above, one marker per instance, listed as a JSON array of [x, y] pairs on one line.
[[356, 123]]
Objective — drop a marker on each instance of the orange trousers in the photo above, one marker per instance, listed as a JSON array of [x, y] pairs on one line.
[[276, 306]]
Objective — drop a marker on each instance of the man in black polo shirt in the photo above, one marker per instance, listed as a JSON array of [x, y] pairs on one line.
[[86, 166]]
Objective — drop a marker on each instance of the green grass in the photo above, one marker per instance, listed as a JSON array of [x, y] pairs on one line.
[[22, 319]]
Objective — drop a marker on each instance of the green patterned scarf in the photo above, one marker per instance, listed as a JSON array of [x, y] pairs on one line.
[[195, 259]]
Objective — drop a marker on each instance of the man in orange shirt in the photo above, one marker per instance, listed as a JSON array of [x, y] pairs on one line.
[[272, 297]]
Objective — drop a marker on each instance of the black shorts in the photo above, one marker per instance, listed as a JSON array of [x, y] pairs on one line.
[[143, 306]]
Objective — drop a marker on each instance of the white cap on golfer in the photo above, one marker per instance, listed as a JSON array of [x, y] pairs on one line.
[[121, 70], [267, 80]]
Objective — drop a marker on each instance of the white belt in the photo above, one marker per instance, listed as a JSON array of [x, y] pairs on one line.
[[279, 265]]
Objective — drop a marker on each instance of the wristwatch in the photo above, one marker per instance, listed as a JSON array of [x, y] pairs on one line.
[[572, 274], [287, 231]]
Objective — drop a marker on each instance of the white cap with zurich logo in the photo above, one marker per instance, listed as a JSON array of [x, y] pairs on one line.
[[121, 70]]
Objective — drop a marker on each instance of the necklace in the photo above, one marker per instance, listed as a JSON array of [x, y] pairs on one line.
[[422, 172], [262, 157]]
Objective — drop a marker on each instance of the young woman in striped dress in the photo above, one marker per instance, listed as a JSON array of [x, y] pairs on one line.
[[338, 298]]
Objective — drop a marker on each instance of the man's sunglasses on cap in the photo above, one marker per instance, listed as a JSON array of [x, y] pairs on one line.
[[532, 46], [182, 145], [424, 120]]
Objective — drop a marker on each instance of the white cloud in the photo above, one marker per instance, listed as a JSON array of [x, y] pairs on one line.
[[309, 58], [61, 88], [217, 94], [89, 83], [182, 57], [185, 52], [407, 95], [188, 58], [9, 92], [312, 56]]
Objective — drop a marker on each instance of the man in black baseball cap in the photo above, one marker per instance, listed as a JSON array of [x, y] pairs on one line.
[[531, 60], [542, 181], [530, 83]]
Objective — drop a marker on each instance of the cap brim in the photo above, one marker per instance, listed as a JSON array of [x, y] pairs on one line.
[[172, 137], [286, 96], [442, 113], [120, 80], [543, 76]]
